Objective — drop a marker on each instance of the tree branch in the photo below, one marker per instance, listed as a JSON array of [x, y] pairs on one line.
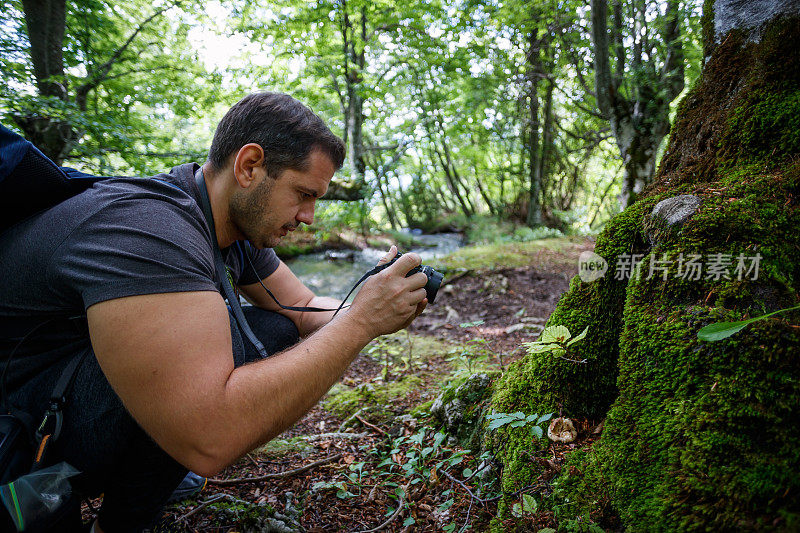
[[93, 79], [278, 475]]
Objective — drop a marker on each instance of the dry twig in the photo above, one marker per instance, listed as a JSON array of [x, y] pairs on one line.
[[335, 435], [396, 514], [288, 473], [373, 426]]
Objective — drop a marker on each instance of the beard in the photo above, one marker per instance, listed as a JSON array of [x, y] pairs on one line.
[[251, 214]]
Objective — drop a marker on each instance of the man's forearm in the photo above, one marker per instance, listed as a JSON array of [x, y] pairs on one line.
[[263, 399], [311, 322]]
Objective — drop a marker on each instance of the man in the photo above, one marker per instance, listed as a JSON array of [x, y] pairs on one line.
[[125, 272]]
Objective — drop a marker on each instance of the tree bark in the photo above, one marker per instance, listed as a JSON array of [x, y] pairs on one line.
[[534, 217], [640, 120]]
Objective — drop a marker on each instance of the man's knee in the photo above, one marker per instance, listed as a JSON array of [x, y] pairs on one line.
[[275, 331]]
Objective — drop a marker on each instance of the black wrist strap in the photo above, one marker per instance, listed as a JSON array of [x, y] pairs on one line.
[[221, 269]]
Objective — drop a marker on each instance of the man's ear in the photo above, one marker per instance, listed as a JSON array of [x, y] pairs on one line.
[[248, 165]]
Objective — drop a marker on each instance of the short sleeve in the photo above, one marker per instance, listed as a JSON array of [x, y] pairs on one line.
[[134, 246], [265, 262]]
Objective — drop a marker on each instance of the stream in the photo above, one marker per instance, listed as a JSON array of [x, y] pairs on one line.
[[335, 277]]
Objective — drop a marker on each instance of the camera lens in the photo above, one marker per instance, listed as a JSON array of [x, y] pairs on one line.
[[434, 282]]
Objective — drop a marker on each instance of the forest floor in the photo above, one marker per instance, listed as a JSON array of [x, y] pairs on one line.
[[348, 463]]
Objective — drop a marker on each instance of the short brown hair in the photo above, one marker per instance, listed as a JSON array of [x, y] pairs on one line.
[[286, 130]]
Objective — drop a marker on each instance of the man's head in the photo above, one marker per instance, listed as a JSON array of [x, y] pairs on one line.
[[285, 129], [279, 157]]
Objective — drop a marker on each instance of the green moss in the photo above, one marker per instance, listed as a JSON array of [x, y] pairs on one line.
[[283, 447], [422, 411], [247, 516], [766, 122], [702, 436], [707, 430], [543, 383], [582, 492], [514, 254], [374, 398], [290, 250]]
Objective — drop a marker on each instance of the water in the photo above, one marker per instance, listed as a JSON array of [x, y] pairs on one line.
[[336, 278]]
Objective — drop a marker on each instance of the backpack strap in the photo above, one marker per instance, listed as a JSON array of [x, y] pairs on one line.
[[50, 427]]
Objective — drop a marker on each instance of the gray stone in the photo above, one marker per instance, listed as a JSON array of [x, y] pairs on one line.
[[460, 409], [676, 210], [749, 15]]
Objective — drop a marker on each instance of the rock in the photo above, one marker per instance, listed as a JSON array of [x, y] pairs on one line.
[[486, 470], [515, 327], [452, 315], [460, 409], [273, 525], [562, 430], [340, 255], [671, 213], [676, 210]]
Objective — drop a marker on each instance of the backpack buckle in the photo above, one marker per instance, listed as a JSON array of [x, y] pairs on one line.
[[52, 417]]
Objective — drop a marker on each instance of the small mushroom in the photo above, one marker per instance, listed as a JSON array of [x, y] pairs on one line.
[[562, 430]]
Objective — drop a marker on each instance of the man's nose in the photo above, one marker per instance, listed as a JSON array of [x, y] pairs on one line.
[[306, 215]]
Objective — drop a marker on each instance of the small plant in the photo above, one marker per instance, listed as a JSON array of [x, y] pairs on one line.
[[519, 419], [723, 330], [392, 350], [556, 340], [474, 351]]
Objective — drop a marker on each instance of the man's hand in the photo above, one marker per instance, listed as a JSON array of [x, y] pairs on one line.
[[389, 301]]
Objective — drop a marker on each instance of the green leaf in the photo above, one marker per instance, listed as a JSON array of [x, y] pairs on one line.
[[537, 432], [516, 510], [579, 337], [455, 460], [723, 330], [408, 521], [555, 334], [529, 503], [544, 418], [537, 347], [467, 472], [470, 324]]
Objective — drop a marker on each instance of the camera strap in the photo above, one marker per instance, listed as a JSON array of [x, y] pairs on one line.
[[222, 270]]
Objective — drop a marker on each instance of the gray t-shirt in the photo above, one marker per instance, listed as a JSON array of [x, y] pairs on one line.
[[122, 237]]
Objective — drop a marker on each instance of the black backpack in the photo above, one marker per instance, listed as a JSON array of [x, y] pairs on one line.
[[30, 182]]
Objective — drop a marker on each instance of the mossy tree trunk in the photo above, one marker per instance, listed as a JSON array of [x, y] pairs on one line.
[[697, 435]]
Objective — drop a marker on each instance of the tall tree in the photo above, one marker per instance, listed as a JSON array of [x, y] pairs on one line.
[[698, 435], [647, 75], [76, 91]]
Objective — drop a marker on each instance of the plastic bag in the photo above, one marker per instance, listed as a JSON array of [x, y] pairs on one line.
[[36, 499]]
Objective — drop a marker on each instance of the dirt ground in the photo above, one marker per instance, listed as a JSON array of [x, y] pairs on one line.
[[506, 306]]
